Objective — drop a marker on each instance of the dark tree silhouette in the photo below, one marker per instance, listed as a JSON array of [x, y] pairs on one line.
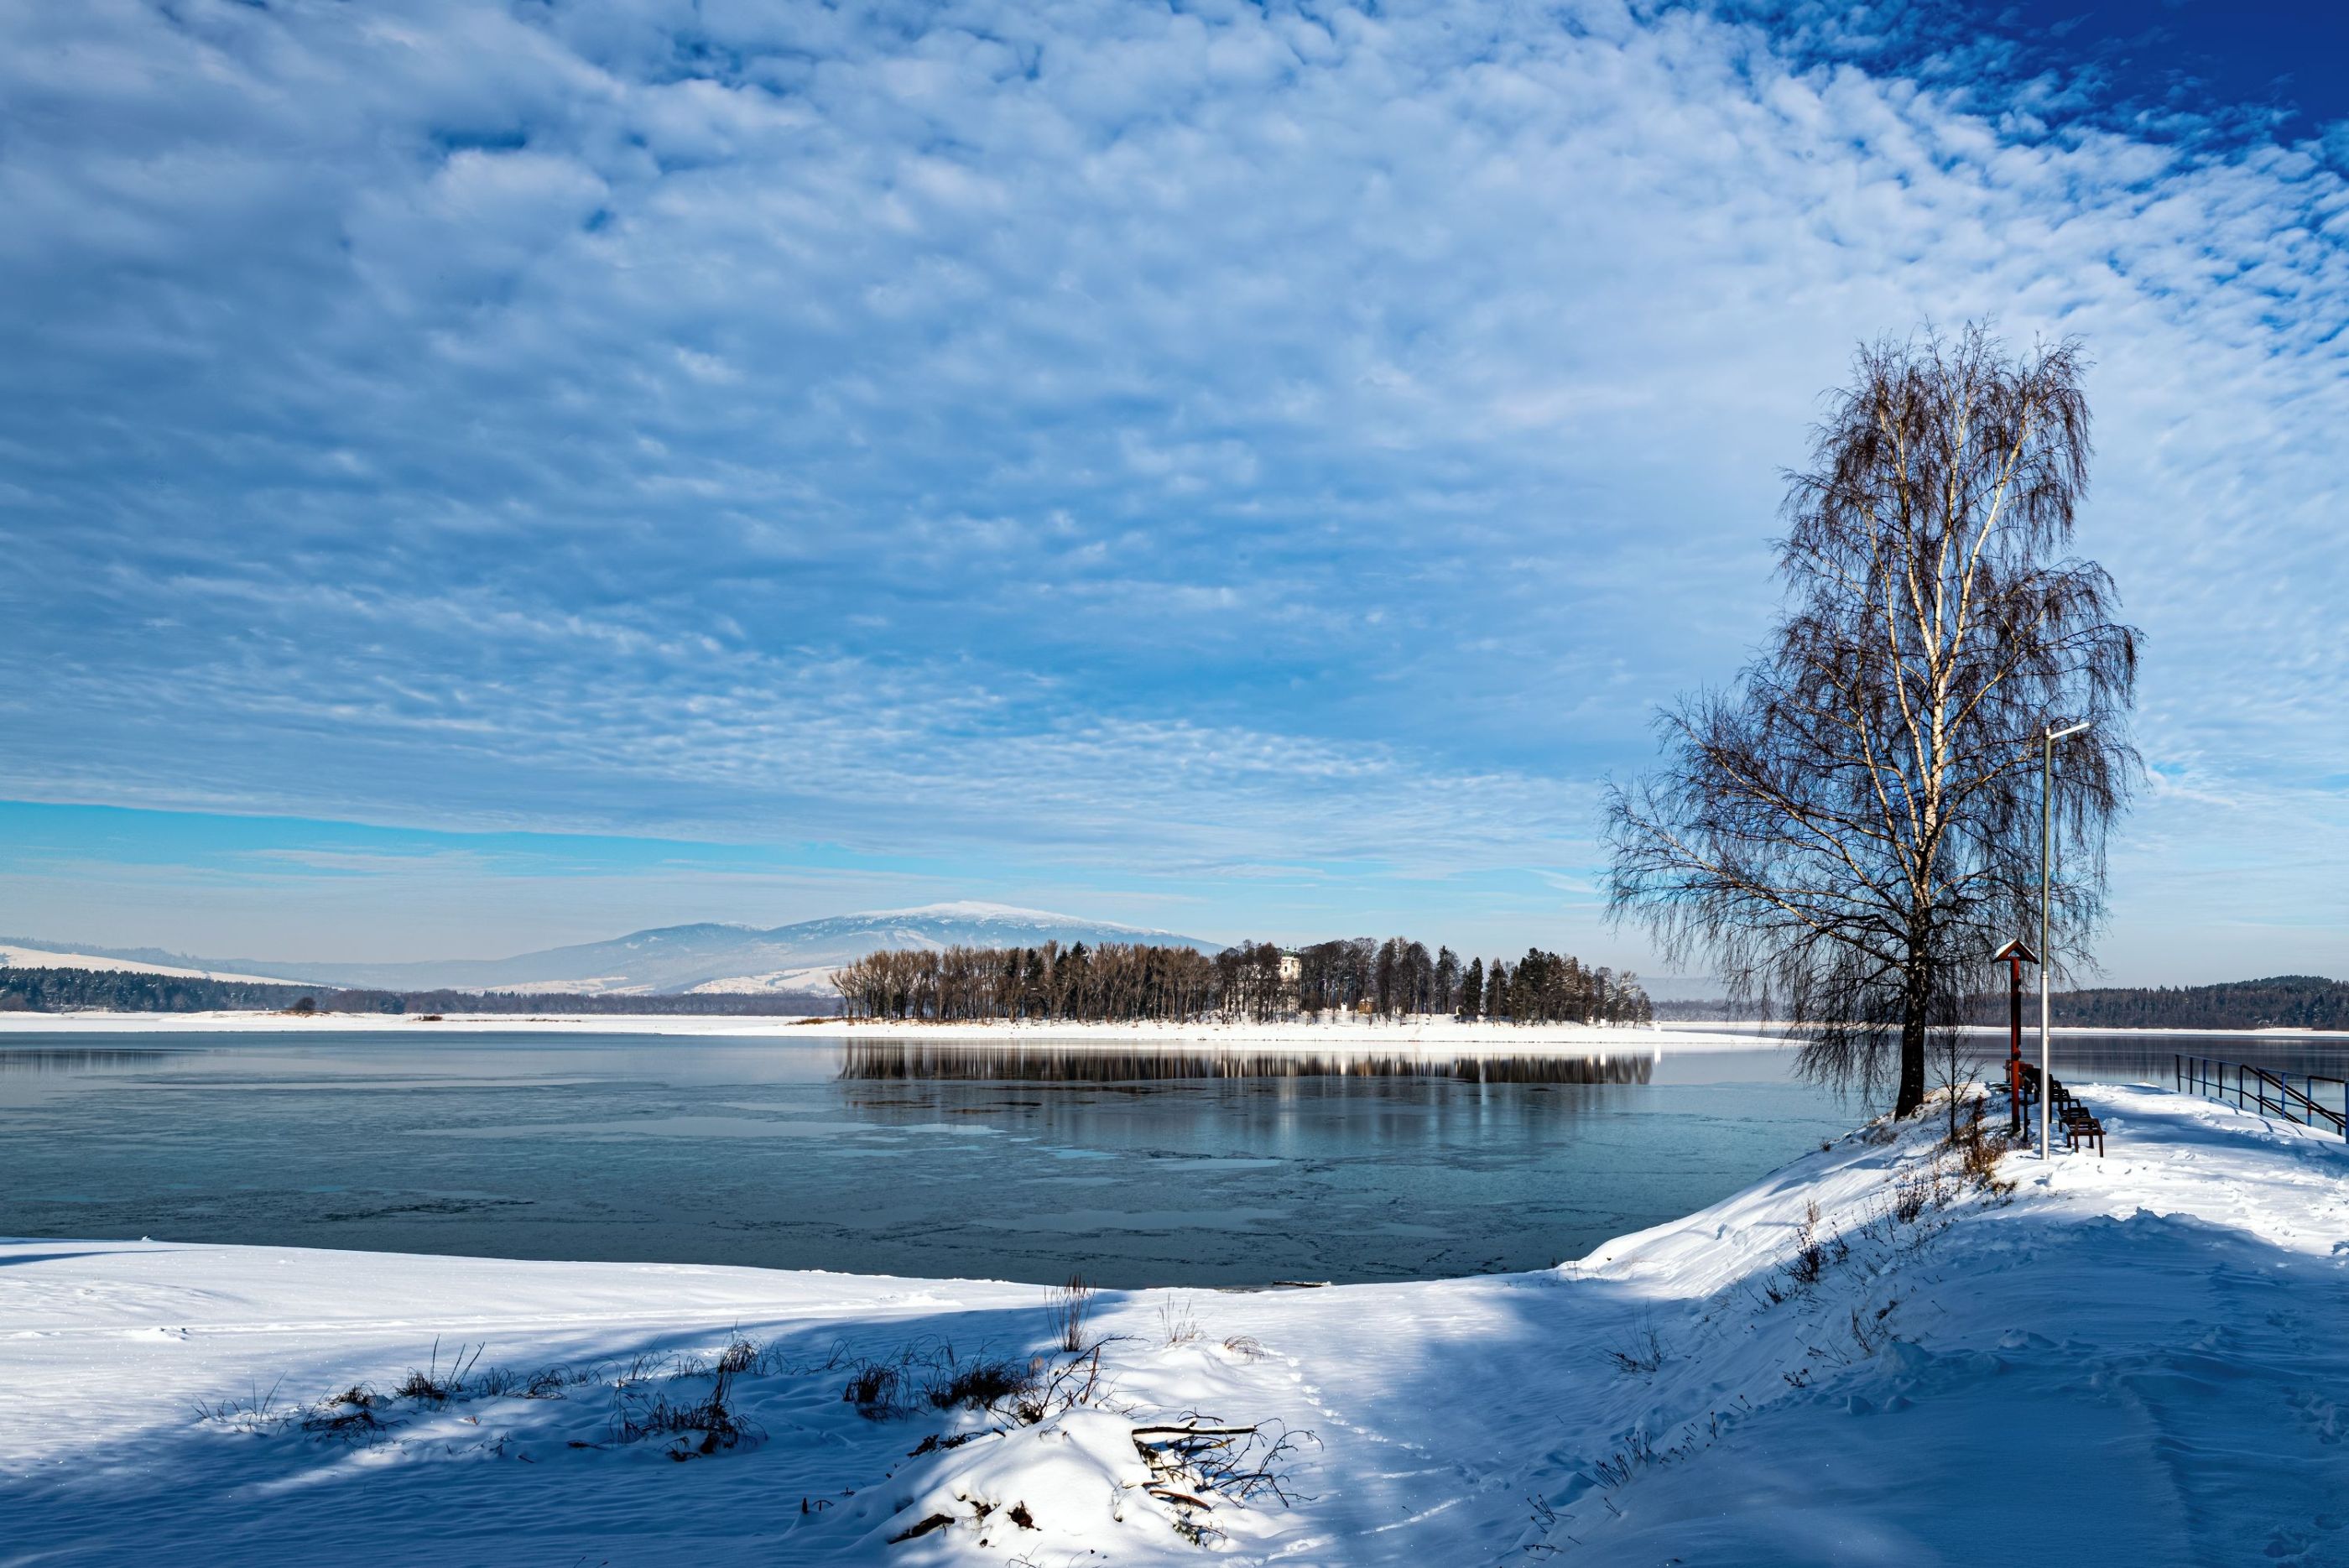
[[1120, 983], [1849, 832]]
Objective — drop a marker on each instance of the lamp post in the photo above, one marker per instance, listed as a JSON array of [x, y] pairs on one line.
[[2048, 737]]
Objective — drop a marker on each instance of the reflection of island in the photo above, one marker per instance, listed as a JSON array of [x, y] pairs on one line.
[[83, 1058], [879, 1060]]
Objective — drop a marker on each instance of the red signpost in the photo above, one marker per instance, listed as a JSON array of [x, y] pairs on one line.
[[2014, 955]]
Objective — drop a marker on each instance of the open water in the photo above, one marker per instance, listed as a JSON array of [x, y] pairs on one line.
[[1153, 1166]]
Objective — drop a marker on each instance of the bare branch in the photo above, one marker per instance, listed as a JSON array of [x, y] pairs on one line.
[[1848, 834]]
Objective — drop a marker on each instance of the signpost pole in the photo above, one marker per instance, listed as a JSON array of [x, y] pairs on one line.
[[2014, 1044], [2014, 955]]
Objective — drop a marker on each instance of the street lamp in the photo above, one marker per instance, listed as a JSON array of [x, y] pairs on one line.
[[2048, 737]]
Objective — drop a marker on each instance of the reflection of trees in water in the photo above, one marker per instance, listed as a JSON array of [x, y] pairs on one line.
[[81, 1059], [880, 1060]]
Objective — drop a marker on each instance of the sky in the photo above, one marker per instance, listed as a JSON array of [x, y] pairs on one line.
[[474, 477]]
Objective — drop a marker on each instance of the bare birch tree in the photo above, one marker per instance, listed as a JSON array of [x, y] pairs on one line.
[[1850, 831]]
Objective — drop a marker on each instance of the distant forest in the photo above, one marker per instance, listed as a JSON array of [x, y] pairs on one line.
[[2282, 1002], [121, 990], [1122, 982]]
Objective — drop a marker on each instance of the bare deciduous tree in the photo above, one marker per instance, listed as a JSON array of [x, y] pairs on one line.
[[1850, 831], [1955, 1070]]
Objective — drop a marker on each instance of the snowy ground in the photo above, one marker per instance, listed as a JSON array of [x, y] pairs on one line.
[[2142, 1359]]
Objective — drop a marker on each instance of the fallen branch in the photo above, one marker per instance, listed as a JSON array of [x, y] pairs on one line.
[[1232, 1461], [936, 1521]]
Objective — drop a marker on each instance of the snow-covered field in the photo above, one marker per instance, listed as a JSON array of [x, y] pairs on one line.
[[2141, 1359]]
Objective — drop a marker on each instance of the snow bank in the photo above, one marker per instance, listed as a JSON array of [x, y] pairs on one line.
[[1077, 1479], [1868, 1357]]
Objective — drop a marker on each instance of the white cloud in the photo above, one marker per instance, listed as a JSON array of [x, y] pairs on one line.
[[1171, 427]]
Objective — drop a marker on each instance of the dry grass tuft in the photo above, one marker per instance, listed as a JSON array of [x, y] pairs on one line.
[[1642, 1353], [348, 1417], [1066, 1307], [979, 1384], [433, 1387], [1177, 1323], [711, 1420], [1979, 1152], [510, 1383], [1810, 1255], [257, 1415], [876, 1388]]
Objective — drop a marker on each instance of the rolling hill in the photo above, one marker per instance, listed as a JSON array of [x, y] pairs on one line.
[[784, 959]]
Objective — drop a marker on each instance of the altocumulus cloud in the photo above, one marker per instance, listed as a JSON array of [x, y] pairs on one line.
[[1095, 430]]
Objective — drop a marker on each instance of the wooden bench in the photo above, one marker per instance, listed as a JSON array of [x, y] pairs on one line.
[[2080, 1126]]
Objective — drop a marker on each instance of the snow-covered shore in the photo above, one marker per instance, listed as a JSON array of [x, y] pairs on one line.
[[1353, 1033], [1342, 1033], [2140, 1359]]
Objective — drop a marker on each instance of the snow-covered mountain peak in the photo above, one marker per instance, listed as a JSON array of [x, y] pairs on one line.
[[980, 909], [964, 910]]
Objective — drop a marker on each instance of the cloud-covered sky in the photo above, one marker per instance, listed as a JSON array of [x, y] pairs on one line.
[[475, 476]]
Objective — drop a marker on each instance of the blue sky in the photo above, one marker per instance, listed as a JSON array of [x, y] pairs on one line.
[[475, 477]]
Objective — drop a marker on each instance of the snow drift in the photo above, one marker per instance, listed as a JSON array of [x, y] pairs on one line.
[[1875, 1355]]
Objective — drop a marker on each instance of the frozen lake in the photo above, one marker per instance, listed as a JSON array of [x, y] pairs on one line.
[[1156, 1166]]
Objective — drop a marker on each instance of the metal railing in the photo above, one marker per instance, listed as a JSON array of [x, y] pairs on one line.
[[2269, 1092]]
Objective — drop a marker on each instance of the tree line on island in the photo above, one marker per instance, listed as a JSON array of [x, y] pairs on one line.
[[1249, 982], [1399, 976]]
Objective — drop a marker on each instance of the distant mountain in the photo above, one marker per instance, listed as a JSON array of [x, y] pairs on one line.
[[21, 952], [789, 960]]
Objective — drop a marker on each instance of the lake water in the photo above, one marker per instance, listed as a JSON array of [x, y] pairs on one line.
[[1160, 1167]]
